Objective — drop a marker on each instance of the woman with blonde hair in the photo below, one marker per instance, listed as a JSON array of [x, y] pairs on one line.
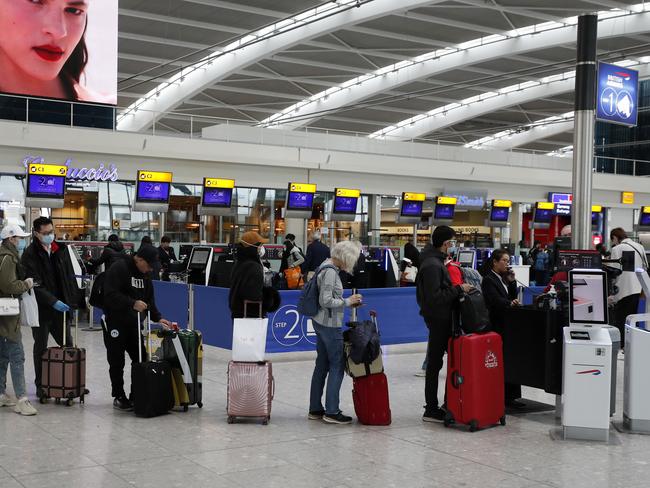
[[329, 336]]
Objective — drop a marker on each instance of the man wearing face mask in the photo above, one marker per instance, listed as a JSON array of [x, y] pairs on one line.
[[55, 286], [437, 297], [247, 275]]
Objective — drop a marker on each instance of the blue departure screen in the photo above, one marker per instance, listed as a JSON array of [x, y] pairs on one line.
[[543, 215], [46, 186], [300, 201], [151, 191], [645, 219], [346, 205], [217, 197], [412, 209], [444, 212], [499, 214]]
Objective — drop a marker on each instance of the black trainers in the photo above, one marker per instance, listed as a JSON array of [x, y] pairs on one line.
[[339, 418], [122, 403], [316, 414], [437, 415]]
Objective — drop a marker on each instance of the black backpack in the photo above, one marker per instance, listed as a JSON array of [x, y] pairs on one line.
[[474, 316], [97, 292]]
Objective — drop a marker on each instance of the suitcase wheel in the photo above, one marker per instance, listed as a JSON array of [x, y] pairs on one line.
[[473, 426], [502, 420], [231, 419], [200, 404], [449, 419], [266, 421]]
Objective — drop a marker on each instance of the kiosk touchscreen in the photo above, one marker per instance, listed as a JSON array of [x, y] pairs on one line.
[[199, 265], [467, 258], [45, 185], [499, 213], [217, 197], [443, 212], [344, 205], [411, 208], [152, 191], [588, 297], [300, 200], [644, 219], [568, 259]]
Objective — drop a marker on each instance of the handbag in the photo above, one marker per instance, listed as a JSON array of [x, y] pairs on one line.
[[29, 310], [294, 277], [9, 306], [249, 337]]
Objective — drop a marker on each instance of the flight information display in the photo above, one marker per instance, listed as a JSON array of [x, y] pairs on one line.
[[217, 197], [499, 214], [543, 212], [301, 196], [444, 212], [153, 187], [644, 218], [345, 201], [46, 181], [412, 204]]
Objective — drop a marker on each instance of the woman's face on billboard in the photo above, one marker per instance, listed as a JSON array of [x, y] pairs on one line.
[[38, 36]]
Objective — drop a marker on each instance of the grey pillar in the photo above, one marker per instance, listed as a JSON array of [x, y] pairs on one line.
[[583, 139], [374, 218]]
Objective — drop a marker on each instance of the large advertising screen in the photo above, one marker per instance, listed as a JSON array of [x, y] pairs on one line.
[[60, 49]]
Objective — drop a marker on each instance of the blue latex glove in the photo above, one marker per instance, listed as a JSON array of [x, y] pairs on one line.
[[59, 306]]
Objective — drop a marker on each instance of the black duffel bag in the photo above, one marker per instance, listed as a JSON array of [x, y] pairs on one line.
[[474, 316], [365, 342]]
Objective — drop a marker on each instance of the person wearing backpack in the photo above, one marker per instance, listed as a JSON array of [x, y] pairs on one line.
[[626, 300], [327, 322]]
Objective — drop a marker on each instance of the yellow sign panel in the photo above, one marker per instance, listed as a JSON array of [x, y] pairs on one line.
[[446, 200], [546, 205], [597, 208], [347, 192], [218, 183], [627, 197], [414, 197], [302, 187], [157, 176], [47, 170], [502, 203], [646, 210]]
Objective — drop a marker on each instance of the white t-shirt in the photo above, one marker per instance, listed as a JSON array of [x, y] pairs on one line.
[[628, 283]]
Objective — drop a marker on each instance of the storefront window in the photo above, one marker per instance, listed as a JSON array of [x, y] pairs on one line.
[[182, 222], [12, 199]]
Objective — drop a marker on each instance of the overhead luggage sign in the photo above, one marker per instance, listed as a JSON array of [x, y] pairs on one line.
[[618, 94]]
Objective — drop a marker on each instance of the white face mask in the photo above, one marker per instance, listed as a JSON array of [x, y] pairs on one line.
[[261, 251]]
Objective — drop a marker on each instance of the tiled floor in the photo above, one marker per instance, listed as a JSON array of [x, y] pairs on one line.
[[96, 446]]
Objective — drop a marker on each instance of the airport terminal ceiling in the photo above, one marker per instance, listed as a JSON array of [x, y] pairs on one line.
[[396, 62]]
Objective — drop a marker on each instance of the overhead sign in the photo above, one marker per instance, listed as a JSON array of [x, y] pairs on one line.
[[597, 208], [347, 192], [218, 183], [562, 209], [102, 172], [302, 187], [47, 170], [414, 197], [618, 94], [565, 198], [157, 176], [502, 203], [627, 197]]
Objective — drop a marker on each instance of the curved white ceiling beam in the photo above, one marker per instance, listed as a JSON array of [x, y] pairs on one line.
[[328, 17], [513, 139], [472, 107], [519, 41]]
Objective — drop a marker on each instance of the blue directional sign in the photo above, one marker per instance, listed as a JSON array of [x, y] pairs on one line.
[[618, 94]]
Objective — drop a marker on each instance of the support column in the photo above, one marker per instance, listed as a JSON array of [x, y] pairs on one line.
[[374, 219], [583, 139]]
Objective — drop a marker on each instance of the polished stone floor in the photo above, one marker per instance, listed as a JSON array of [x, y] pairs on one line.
[[95, 446]]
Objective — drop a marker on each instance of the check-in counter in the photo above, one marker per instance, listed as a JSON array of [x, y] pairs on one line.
[[532, 348]]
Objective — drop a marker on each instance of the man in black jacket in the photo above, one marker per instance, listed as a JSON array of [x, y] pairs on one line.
[[128, 297], [48, 263], [166, 256], [436, 297], [112, 252], [247, 282], [317, 252]]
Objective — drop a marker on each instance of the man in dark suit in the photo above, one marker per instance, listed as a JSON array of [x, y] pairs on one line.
[[499, 288]]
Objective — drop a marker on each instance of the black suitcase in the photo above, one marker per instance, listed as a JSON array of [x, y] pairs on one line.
[[474, 316], [151, 385]]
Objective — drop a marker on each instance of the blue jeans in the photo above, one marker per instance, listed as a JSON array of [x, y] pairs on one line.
[[12, 353], [329, 365]]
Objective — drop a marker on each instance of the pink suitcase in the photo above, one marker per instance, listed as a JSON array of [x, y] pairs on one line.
[[64, 371], [250, 390]]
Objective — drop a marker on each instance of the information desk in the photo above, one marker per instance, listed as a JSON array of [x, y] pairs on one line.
[[532, 348]]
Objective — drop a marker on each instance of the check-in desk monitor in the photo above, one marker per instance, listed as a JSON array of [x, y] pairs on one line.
[[543, 213], [152, 191], [568, 259], [45, 185], [467, 258], [644, 220], [344, 206], [588, 297], [300, 200], [217, 197]]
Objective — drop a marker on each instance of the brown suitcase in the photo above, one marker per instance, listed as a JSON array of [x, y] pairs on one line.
[[64, 371], [250, 390]]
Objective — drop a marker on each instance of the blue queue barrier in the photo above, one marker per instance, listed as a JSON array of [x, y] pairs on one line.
[[173, 301], [397, 311]]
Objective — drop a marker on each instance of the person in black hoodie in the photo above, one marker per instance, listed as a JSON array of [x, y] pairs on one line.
[[55, 286], [113, 251], [411, 252], [128, 298], [437, 298], [247, 282]]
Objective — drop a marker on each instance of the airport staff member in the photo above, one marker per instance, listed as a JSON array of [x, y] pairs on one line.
[[626, 301], [128, 291], [436, 297], [48, 263], [499, 288], [166, 255]]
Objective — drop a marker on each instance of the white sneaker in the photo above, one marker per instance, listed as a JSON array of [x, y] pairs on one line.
[[23, 407], [7, 401]]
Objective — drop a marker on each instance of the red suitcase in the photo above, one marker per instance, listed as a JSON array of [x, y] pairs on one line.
[[370, 396], [475, 383]]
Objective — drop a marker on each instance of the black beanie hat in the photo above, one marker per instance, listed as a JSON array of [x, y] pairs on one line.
[[148, 253], [441, 234]]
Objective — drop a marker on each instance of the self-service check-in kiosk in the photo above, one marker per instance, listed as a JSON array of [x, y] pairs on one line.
[[152, 191], [587, 353], [199, 266], [636, 394]]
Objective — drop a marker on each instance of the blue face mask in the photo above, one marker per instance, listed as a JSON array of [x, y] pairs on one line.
[[22, 244], [47, 240]]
